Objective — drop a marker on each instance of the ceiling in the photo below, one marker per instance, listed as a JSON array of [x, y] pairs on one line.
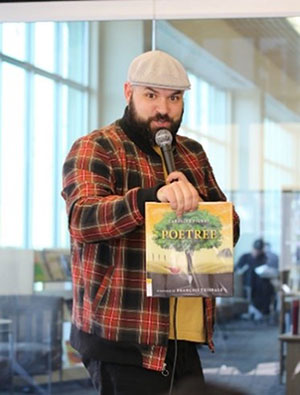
[[276, 39], [265, 51]]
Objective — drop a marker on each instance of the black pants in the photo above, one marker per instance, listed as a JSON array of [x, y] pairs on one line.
[[116, 379], [262, 293]]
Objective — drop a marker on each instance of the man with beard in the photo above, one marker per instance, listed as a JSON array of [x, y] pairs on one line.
[[126, 339]]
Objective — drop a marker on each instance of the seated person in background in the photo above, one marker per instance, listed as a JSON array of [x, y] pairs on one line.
[[248, 262], [258, 289]]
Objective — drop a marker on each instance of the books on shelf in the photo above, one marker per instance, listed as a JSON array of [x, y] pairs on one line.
[[52, 265], [292, 315], [191, 255], [71, 356], [295, 317]]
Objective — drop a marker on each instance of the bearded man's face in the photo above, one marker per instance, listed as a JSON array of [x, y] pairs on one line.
[[153, 109]]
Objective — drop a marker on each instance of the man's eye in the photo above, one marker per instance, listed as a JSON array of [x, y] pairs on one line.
[[150, 95], [174, 98]]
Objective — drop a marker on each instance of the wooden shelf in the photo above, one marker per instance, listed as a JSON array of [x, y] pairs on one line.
[[288, 337], [291, 362]]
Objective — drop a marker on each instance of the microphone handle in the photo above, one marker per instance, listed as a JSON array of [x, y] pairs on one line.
[[168, 158]]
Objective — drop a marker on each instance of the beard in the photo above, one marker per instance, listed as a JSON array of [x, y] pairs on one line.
[[144, 126]]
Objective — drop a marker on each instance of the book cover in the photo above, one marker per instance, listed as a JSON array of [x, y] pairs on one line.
[[56, 261], [298, 326], [41, 272], [295, 316], [71, 356], [191, 255]]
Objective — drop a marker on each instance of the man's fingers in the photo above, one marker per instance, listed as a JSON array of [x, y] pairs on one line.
[[181, 195], [180, 198], [195, 198], [176, 176]]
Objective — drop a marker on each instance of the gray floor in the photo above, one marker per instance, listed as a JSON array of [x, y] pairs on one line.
[[246, 357]]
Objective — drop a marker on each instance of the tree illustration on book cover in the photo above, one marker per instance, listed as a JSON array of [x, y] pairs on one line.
[[189, 255], [177, 233]]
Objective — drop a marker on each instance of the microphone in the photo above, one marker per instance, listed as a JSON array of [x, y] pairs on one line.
[[163, 139]]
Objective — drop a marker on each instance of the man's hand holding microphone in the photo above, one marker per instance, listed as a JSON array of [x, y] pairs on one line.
[[178, 191]]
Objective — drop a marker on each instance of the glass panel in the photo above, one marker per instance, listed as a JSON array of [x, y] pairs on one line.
[[42, 177], [43, 164], [218, 160], [245, 78], [277, 178], [243, 98], [65, 38], [243, 108], [74, 47], [279, 144], [44, 45], [206, 114], [75, 103], [273, 221], [12, 156], [73, 126], [39, 120], [14, 40], [191, 105]]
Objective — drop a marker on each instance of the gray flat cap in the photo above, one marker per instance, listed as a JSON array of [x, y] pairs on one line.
[[158, 69]]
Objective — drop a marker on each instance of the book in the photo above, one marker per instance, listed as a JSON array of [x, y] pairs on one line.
[[295, 316], [41, 272], [298, 324], [71, 356], [52, 264], [190, 255]]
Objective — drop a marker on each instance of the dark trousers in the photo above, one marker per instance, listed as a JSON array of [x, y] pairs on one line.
[[120, 379]]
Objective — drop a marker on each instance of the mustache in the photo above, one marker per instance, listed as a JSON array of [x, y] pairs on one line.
[[161, 117]]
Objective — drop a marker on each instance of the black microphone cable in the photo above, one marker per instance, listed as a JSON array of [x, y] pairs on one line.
[[163, 139], [175, 346]]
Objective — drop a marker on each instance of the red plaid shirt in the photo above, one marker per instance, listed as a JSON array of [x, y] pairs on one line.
[[102, 176]]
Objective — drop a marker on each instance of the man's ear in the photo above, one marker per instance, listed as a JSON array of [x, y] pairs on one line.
[[127, 91]]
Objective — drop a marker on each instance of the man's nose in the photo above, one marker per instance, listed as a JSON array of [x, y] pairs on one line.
[[162, 106]]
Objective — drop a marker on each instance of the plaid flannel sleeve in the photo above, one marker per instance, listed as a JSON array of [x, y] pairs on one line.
[[94, 209]]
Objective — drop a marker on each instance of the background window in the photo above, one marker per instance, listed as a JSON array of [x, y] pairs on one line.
[[279, 156], [43, 94], [207, 120]]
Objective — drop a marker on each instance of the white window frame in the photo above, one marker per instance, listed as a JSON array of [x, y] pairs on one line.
[[145, 9]]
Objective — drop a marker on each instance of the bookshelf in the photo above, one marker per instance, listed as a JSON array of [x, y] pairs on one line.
[[52, 276], [292, 343], [289, 319], [288, 327]]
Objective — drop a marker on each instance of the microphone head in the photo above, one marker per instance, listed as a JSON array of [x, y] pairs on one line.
[[163, 137]]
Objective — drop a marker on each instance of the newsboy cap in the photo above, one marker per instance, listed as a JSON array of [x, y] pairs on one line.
[[159, 70]]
